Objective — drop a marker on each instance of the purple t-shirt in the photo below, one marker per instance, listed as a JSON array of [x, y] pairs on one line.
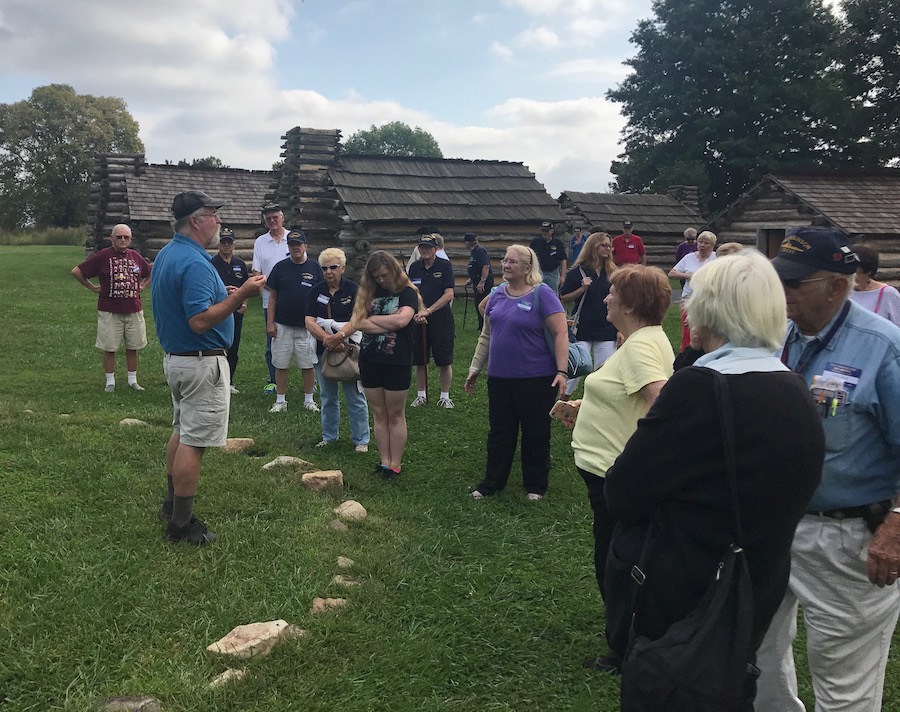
[[518, 346]]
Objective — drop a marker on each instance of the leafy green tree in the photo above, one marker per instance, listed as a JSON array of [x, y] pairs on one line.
[[393, 139], [47, 147], [870, 41], [722, 92], [208, 162]]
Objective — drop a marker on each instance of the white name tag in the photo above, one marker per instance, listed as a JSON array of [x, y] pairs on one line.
[[524, 306], [306, 284], [323, 299], [417, 282]]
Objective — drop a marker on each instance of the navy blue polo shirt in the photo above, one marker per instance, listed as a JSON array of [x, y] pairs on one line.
[[431, 282], [292, 284], [337, 306], [550, 253], [478, 259]]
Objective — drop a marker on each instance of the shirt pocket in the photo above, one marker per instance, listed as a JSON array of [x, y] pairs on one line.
[[842, 429]]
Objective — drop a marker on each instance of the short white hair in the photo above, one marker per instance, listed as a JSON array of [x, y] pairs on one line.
[[740, 299]]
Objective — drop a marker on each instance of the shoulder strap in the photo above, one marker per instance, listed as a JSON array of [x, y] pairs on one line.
[[726, 420], [880, 295]]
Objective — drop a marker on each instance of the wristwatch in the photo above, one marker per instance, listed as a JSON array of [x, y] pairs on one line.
[[896, 510]]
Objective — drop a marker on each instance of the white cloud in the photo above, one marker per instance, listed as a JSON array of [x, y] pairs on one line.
[[537, 37], [594, 69], [501, 51]]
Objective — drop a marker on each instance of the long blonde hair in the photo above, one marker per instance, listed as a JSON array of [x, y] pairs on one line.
[[591, 258], [534, 275], [397, 282]]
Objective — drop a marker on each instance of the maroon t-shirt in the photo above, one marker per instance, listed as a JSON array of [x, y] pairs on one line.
[[120, 278]]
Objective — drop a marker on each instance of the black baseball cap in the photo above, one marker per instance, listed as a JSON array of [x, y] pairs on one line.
[[628, 223], [428, 241], [271, 208], [226, 234], [470, 237], [297, 237], [546, 226], [810, 249], [191, 201]]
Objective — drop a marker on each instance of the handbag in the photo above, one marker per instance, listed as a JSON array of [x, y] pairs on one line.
[[341, 365], [579, 361], [703, 662]]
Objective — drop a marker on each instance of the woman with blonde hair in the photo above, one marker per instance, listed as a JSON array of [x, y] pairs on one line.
[[385, 305], [525, 375], [685, 269], [328, 310], [587, 284]]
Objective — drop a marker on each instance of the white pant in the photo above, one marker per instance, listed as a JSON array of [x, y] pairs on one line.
[[849, 623], [600, 351]]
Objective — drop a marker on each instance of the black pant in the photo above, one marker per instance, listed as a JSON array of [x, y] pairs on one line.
[[236, 344], [515, 402], [479, 298], [604, 523]]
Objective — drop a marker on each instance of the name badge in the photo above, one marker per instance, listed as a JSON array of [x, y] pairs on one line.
[[135, 269], [236, 268], [417, 282], [524, 306], [306, 284], [323, 299], [847, 374], [630, 246], [552, 250]]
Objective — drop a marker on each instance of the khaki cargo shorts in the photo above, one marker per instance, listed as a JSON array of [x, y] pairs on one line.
[[201, 398], [113, 328], [293, 342]]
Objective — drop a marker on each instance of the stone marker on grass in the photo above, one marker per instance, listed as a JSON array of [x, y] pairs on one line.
[[351, 511], [345, 563], [345, 581], [238, 444], [288, 461], [226, 677], [251, 640], [126, 422], [325, 605], [128, 703], [323, 480]]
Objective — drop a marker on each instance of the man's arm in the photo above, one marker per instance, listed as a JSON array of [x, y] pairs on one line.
[[217, 313], [85, 282]]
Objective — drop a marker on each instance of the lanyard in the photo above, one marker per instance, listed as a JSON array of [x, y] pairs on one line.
[[820, 346]]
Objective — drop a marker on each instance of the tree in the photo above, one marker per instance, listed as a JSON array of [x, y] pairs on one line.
[[722, 92], [870, 40], [208, 162], [393, 139], [47, 147]]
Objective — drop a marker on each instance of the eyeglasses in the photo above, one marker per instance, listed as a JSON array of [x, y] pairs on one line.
[[606, 245], [512, 262], [795, 283], [331, 266]]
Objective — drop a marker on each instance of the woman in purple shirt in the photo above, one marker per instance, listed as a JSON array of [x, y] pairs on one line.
[[524, 377]]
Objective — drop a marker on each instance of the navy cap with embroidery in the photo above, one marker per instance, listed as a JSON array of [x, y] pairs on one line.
[[812, 249], [297, 237], [428, 241], [546, 226], [226, 234]]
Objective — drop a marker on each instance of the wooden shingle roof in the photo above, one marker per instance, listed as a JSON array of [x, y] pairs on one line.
[[374, 188], [858, 204], [150, 193], [650, 212]]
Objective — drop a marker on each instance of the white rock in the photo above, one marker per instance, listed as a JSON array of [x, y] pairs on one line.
[[288, 461], [28, 411], [345, 581], [238, 444], [323, 480], [226, 677], [345, 563], [351, 510], [251, 640], [131, 421], [128, 703], [324, 605]]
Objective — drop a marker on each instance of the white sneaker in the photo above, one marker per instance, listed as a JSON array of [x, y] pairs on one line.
[[234, 391], [311, 405], [324, 443], [475, 494], [110, 388], [135, 386], [419, 401], [361, 448], [445, 403], [534, 497], [278, 407]]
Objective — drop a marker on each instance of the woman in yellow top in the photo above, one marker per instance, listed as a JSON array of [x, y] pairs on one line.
[[618, 394]]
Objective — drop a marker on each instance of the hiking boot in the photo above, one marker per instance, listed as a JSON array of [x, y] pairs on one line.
[[418, 402], [194, 533], [445, 403], [278, 407]]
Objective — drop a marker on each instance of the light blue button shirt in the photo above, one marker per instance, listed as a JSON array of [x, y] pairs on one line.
[[862, 439]]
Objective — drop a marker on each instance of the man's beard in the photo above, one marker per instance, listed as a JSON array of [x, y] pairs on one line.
[[215, 240]]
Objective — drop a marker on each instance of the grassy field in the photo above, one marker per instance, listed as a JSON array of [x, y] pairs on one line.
[[463, 605]]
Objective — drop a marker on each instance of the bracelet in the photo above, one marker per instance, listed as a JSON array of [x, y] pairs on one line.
[[563, 373]]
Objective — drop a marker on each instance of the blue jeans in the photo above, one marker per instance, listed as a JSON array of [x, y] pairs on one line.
[[357, 409]]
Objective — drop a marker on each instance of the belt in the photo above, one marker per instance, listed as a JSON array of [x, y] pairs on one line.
[[205, 352], [848, 512]]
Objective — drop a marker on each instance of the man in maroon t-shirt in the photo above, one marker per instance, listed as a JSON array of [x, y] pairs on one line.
[[123, 274], [628, 248]]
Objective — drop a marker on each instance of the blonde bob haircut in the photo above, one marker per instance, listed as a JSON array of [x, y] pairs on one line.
[[333, 254], [740, 299], [526, 254], [707, 236]]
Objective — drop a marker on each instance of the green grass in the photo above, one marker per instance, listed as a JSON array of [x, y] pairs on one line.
[[47, 236], [464, 605]]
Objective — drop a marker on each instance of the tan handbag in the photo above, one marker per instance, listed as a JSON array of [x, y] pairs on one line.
[[341, 365]]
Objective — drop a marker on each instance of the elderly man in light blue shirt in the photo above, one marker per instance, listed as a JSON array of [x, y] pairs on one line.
[[845, 559]]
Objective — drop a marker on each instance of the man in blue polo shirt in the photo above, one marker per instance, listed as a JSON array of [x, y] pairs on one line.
[[193, 310], [433, 277], [845, 558]]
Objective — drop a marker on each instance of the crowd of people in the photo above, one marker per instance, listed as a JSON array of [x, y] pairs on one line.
[[788, 380]]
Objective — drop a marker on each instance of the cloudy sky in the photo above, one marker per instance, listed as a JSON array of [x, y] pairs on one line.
[[516, 80]]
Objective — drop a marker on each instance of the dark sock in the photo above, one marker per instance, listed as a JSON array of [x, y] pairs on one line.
[[170, 492], [182, 509]]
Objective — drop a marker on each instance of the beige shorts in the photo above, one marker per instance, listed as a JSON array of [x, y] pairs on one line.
[[296, 342], [201, 398], [114, 328]]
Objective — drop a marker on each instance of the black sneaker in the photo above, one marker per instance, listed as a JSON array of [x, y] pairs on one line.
[[610, 663], [165, 512], [194, 533], [390, 473], [378, 470]]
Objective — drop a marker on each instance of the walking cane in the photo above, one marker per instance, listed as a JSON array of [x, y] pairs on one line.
[[425, 355], [466, 301]]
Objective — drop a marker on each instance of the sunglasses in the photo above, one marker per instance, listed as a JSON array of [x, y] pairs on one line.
[[797, 283], [331, 267]]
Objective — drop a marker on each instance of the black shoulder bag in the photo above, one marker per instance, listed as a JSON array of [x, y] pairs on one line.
[[702, 663]]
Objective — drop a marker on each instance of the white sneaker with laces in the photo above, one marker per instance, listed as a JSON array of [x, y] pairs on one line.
[[110, 388], [534, 497], [278, 407], [475, 494], [323, 443], [361, 448], [311, 405], [419, 401], [135, 386], [445, 403]]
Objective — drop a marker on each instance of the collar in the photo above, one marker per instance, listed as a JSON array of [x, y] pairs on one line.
[[732, 359]]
